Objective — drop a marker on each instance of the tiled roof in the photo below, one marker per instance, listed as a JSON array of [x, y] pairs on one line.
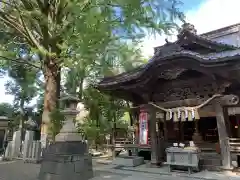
[[177, 50], [159, 59]]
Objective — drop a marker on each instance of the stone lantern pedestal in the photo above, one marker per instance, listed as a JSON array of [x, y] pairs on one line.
[[67, 158]]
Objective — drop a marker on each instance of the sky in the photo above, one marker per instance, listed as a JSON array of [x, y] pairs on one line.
[[206, 15]]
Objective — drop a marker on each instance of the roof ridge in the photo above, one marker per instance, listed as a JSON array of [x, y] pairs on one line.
[[208, 40], [219, 29]]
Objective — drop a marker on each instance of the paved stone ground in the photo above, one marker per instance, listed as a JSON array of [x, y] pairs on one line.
[[18, 170]]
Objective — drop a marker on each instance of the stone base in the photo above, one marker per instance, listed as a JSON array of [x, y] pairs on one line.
[[129, 161], [66, 160], [227, 168], [155, 164]]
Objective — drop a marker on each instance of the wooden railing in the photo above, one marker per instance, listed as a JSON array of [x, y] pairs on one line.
[[234, 145], [128, 143], [124, 141]]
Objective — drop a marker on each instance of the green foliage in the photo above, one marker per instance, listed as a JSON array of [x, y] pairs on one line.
[[92, 38], [49, 28], [57, 120], [11, 112], [22, 84], [6, 109], [104, 112]]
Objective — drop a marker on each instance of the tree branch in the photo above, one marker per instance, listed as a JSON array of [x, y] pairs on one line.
[[10, 22], [19, 60], [29, 33], [40, 4], [27, 4]]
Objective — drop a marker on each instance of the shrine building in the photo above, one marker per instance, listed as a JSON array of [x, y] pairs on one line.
[[188, 91]]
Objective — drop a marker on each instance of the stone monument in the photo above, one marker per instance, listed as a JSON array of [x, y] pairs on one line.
[[67, 157]]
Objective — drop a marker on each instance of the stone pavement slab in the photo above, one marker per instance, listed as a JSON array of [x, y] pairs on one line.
[[18, 170], [163, 171]]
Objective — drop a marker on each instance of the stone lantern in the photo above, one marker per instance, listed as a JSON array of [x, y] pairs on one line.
[[69, 131], [67, 157]]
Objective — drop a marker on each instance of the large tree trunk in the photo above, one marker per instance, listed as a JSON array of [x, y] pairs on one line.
[[52, 77]]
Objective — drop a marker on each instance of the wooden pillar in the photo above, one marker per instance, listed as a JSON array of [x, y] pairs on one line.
[[160, 140], [227, 121], [153, 134], [136, 136], [165, 128], [223, 137], [238, 124], [114, 137]]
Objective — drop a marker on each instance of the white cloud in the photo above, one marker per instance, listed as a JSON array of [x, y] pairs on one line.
[[211, 15]]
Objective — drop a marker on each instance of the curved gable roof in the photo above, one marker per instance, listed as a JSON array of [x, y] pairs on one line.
[[217, 55], [184, 57]]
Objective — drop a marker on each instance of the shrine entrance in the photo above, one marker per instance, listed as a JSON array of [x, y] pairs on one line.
[[207, 127]]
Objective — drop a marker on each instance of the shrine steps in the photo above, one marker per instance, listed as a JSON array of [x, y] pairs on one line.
[[211, 161]]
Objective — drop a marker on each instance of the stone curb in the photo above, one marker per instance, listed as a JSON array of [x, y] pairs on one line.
[[129, 172]]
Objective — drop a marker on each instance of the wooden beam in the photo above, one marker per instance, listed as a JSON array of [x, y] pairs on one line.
[[229, 100], [223, 137], [179, 103]]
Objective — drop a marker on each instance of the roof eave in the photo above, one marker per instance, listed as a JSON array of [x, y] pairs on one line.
[[179, 57]]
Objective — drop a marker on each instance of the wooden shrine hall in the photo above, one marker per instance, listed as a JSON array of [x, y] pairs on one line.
[[189, 91]]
